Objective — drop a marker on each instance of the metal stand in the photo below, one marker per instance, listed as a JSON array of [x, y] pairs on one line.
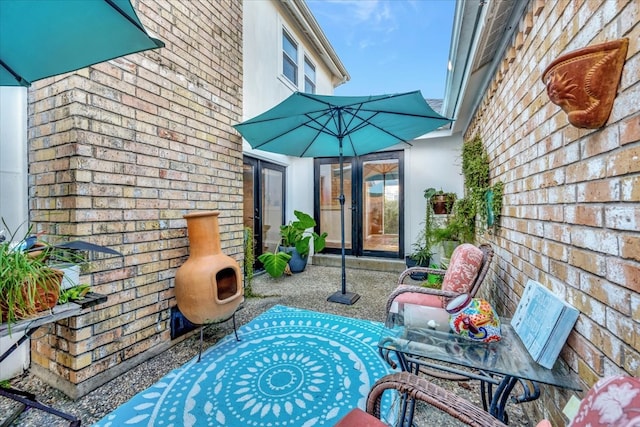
[[235, 331], [347, 298], [342, 297], [29, 327]]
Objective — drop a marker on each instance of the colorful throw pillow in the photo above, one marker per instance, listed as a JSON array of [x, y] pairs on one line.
[[613, 401], [464, 267]]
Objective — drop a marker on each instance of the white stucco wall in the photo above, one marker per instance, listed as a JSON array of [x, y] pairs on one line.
[[430, 162], [265, 86], [13, 159], [13, 198]]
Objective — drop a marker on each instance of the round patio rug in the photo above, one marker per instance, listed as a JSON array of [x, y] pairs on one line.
[[291, 367]]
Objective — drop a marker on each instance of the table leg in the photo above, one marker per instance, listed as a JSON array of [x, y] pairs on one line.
[[500, 397]]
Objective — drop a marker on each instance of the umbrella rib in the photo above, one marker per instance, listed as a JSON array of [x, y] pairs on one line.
[[322, 129], [13, 73], [124, 15], [306, 124]]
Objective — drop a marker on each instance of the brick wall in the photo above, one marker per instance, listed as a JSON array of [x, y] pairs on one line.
[[572, 196], [119, 152]]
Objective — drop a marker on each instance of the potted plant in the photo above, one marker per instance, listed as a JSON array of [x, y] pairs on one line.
[[28, 284], [442, 202], [421, 255], [295, 242]]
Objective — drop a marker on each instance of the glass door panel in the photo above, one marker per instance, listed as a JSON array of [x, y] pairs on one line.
[[373, 203], [263, 203], [380, 202], [329, 189], [272, 208], [249, 196]]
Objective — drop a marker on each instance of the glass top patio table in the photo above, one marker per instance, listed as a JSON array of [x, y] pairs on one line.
[[507, 357]]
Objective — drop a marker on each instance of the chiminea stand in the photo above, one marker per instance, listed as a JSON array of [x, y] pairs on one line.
[[235, 331]]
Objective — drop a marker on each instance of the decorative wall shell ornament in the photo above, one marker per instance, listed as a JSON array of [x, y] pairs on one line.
[[584, 82]]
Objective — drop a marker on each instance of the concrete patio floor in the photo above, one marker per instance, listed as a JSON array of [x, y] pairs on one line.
[[308, 290]]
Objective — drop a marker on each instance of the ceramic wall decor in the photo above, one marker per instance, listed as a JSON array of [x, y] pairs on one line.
[[584, 82]]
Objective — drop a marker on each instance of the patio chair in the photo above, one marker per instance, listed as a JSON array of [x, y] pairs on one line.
[[611, 401], [468, 267]]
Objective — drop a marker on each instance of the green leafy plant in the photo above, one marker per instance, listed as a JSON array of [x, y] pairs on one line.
[[28, 283], [463, 223], [294, 234], [422, 248], [249, 260], [275, 263], [74, 293]]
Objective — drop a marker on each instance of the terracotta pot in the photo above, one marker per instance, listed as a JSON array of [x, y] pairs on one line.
[[45, 296], [584, 82], [209, 284], [442, 204]]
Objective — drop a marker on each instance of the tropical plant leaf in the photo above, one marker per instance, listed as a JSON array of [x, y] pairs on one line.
[[275, 263]]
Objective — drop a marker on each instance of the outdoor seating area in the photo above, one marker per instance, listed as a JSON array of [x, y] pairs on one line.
[[306, 290], [202, 225]]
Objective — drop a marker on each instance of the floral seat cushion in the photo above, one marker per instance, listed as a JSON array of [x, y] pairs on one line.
[[465, 264], [613, 401]]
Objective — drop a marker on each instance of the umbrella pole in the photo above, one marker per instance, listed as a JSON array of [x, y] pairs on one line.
[[343, 297]]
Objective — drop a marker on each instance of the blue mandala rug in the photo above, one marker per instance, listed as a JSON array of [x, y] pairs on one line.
[[291, 368]]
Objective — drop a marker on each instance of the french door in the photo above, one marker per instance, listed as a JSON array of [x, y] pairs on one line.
[[374, 202], [264, 190]]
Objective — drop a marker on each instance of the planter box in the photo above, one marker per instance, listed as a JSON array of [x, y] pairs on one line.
[[71, 274]]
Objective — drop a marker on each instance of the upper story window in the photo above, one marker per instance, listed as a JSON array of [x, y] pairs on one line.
[[309, 76], [289, 58]]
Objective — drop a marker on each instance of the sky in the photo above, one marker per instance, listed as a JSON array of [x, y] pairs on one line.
[[389, 46]]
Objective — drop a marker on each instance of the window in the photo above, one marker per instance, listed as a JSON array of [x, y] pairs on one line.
[[289, 58], [309, 76]]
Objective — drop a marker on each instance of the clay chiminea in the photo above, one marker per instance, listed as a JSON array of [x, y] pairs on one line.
[[584, 82], [209, 284]]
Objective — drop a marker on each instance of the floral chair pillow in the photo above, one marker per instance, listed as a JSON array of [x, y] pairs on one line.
[[613, 401]]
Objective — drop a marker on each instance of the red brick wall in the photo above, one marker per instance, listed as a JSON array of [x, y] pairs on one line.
[[571, 214], [119, 152]]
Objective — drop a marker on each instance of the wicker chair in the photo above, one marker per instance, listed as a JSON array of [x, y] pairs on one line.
[[419, 388], [487, 252], [611, 401]]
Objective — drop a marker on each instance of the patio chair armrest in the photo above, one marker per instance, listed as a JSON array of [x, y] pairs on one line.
[[417, 289], [427, 270], [419, 388]]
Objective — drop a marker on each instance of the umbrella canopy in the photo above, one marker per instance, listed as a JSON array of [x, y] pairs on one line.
[[44, 38], [308, 125]]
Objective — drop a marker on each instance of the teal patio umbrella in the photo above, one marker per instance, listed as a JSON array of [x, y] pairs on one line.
[[44, 38], [308, 125]]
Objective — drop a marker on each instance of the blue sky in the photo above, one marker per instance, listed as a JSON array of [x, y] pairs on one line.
[[389, 46]]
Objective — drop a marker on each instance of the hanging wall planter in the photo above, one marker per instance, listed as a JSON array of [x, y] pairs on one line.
[[584, 82]]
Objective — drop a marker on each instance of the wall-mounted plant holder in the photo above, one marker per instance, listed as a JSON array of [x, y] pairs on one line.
[[584, 82]]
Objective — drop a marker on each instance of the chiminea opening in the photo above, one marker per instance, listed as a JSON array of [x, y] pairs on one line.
[[226, 283]]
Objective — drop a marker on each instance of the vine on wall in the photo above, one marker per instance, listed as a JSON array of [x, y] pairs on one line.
[[482, 205]]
